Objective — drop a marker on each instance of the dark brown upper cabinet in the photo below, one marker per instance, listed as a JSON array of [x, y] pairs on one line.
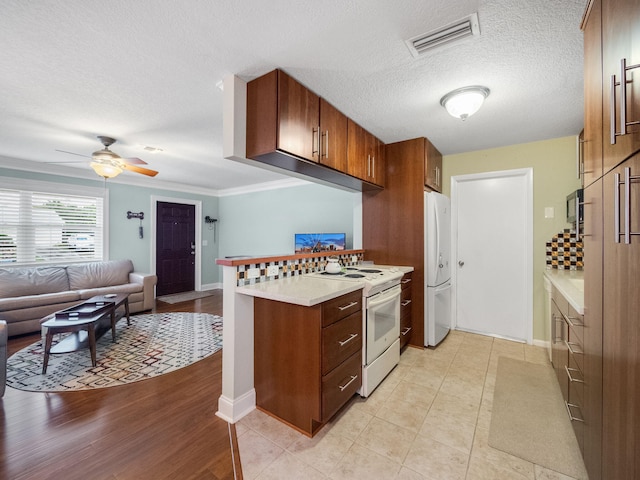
[[292, 128], [365, 157], [621, 99]]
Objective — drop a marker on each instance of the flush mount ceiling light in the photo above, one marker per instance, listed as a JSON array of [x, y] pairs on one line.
[[464, 102]]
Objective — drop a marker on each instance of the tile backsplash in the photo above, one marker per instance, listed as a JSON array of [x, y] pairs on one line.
[[564, 251], [291, 267]]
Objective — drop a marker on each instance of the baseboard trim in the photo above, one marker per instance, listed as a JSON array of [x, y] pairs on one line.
[[232, 410]]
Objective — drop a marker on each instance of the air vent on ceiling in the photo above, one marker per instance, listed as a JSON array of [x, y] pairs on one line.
[[458, 30]]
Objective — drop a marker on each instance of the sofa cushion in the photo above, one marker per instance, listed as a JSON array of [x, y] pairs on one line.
[[18, 282], [15, 304], [126, 288], [99, 274]]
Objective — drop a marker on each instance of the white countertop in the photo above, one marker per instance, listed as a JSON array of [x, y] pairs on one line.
[[570, 283], [306, 290], [302, 290]]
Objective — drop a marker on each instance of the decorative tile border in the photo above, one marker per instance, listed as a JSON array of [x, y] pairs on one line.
[[292, 267], [564, 251]]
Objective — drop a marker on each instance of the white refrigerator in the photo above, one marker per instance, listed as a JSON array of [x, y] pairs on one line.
[[437, 271]]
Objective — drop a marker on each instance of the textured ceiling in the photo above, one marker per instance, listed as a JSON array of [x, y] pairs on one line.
[[145, 72]]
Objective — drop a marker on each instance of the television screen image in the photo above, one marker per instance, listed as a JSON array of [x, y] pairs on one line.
[[319, 242]]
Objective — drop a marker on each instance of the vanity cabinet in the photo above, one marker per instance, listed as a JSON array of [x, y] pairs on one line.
[[292, 128], [365, 154], [405, 309], [308, 360]]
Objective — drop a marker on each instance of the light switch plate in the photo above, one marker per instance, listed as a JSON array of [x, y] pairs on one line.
[[272, 270], [549, 212], [354, 259], [253, 273]]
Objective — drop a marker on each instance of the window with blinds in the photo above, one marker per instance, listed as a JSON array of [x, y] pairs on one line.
[[48, 228]]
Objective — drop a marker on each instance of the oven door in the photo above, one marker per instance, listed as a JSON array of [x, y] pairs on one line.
[[382, 321]]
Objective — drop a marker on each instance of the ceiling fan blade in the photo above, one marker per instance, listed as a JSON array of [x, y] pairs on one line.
[[144, 171], [72, 153], [134, 161]]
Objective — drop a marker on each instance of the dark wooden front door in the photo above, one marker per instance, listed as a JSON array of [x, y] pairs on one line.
[[175, 248]]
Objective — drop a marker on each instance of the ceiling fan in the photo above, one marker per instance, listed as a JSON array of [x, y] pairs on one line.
[[108, 164]]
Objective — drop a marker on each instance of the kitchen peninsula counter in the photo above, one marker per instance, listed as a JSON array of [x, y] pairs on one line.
[[300, 290]]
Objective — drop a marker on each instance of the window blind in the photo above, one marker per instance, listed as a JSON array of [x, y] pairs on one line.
[[49, 228]]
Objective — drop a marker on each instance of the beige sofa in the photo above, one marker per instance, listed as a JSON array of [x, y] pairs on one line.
[[27, 294]]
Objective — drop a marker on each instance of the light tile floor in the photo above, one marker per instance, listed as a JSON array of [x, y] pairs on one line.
[[428, 420]]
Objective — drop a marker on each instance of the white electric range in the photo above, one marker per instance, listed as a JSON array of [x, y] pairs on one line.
[[380, 319]]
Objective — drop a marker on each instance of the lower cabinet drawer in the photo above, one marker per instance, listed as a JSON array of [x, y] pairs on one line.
[[340, 340], [334, 310], [340, 385]]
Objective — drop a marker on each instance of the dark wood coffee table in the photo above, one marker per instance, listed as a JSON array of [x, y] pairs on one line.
[[86, 322]]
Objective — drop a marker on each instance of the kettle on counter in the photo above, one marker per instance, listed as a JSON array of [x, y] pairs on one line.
[[333, 265]]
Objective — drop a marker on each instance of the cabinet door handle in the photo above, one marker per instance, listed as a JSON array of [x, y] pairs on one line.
[[315, 148], [368, 165], [344, 342], [571, 379], [571, 346], [405, 303], [628, 178], [571, 417], [407, 280], [373, 167], [353, 379], [344, 307], [623, 101], [570, 321], [325, 154], [557, 320], [405, 331]]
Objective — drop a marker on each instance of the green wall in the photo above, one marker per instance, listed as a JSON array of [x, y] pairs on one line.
[[123, 233], [554, 176], [264, 223]]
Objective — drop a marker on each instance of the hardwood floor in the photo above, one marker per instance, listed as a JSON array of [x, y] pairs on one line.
[[161, 428]]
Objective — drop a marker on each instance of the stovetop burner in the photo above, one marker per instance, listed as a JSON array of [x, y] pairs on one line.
[[374, 279]]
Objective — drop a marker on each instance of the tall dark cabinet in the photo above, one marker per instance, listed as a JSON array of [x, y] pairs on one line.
[[612, 239], [393, 219]]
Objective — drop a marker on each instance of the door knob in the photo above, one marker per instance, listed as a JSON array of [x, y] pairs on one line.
[[461, 263]]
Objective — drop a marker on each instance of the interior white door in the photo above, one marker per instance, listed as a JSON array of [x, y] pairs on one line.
[[492, 245]]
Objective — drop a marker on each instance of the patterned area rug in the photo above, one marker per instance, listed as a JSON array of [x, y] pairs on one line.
[[152, 345]]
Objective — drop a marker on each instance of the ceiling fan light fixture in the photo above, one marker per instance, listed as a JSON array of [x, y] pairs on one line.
[[464, 102], [106, 170], [104, 154]]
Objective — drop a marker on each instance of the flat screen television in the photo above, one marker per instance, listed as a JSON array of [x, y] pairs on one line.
[[319, 242]]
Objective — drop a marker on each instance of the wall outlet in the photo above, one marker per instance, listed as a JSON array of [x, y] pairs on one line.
[[253, 273], [272, 270], [354, 259]]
